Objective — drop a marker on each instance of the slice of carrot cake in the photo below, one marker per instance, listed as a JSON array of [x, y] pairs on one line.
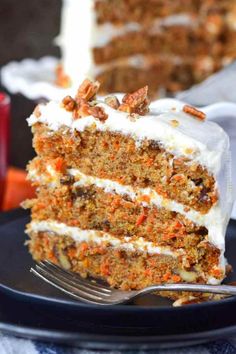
[[131, 192]]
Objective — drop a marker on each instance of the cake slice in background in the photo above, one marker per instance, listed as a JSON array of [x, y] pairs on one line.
[[168, 45], [130, 193]]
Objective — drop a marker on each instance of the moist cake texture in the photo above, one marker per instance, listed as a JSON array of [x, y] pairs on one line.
[[170, 45], [131, 192]]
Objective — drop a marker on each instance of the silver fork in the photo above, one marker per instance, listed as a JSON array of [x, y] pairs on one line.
[[93, 292]]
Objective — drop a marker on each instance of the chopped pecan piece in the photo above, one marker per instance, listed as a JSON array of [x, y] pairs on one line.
[[68, 103], [112, 101], [194, 112], [136, 102], [98, 112], [82, 108], [88, 90]]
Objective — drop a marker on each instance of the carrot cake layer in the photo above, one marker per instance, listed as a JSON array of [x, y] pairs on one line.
[[129, 191]]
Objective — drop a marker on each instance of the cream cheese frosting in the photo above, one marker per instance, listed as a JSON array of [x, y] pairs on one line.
[[203, 142], [100, 237]]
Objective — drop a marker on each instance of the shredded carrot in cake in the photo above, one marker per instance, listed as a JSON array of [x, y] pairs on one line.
[[84, 246], [216, 272], [176, 278], [141, 219], [149, 162], [166, 276], [59, 164], [105, 268]]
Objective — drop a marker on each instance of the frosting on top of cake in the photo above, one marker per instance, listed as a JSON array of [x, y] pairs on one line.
[[179, 133]]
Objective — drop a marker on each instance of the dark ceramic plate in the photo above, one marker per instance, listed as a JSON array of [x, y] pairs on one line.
[[33, 309]]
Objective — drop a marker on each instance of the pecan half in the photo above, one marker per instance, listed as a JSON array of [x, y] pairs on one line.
[[136, 102], [84, 109], [98, 112], [194, 112], [88, 90]]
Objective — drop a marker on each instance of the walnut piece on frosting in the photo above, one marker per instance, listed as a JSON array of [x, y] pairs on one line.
[[194, 112], [136, 102]]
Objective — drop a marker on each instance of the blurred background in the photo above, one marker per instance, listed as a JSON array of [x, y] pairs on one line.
[[27, 30], [36, 24]]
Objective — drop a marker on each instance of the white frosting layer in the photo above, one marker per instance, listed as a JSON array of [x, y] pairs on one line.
[[99, 237], [203, 142], [105, 33]]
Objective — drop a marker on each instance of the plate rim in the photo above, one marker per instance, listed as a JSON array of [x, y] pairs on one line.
[[93, 340], [117, 308]]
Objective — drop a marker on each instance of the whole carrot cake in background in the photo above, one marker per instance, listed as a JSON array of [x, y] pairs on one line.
[[126, 44], [131, 192]]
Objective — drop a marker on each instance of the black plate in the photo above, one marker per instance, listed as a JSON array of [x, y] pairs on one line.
[[32, 308]]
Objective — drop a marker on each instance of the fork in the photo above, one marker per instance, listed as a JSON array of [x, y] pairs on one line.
[[91, 291]]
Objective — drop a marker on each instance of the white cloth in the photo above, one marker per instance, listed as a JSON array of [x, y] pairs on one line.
[[12, 345]]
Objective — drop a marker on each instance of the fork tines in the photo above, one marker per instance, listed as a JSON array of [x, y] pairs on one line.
[[74, 285]]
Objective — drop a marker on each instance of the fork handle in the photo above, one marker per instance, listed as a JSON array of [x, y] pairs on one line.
[[201, 288]]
